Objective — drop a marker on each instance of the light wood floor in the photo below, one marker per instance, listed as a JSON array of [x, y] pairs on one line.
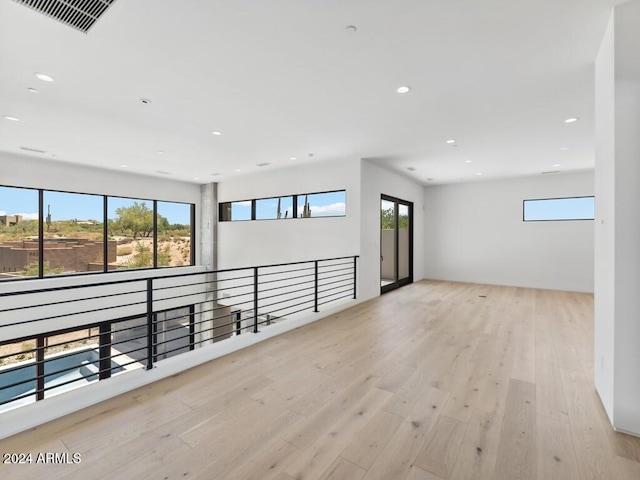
[[434, 381]]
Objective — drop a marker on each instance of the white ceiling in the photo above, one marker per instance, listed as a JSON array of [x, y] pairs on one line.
[[284, 78]]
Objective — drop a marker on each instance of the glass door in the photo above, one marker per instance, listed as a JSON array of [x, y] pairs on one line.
[[396, 243]]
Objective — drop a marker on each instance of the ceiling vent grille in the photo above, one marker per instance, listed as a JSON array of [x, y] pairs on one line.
[[78, 14], [29, 149]]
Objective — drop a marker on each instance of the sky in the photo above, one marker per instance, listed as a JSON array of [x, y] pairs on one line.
[[578, 208], [67, 206]]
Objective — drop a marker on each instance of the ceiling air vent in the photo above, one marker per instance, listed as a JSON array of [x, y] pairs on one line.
[[30, 149], [79, 14]]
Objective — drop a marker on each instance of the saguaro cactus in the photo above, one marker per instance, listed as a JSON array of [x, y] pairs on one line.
[[306, 211]]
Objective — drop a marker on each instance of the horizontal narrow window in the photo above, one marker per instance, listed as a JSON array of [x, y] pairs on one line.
[[329, 204], [234, 211], [274, 208], [555, 209], [302, 205]]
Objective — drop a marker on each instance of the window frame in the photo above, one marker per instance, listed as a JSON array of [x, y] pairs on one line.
[[524, 203], [323, 193], [105, 231], [294, 196]]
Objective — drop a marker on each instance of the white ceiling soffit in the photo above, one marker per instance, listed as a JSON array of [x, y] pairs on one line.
[[78, 14]]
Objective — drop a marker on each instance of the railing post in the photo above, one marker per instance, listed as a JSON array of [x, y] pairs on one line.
[[255, 299], [150, 334], [236, 314], [155, 338], [40, 383], [192, 325], [355, 277], [104, 342], [315, 296]]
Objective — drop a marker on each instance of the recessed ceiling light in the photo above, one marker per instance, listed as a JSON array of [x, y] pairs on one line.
[[429, 179], [123, 166], [216, 133], [13, 119], [215, 174], [263, 164], [403, 89], [293, 158], [564, 149], [32, 90], [451, 142], [351, 29], [468, 161], [196, 178], [160, 152], [556, 165], [411, 169], [310, 154], [571, 120], [238, 170], [479, 173], [44, 77]]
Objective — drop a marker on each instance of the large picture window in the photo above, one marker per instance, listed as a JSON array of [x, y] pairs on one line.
[[173, 247], [73, 233], [130, 224], [45, 233], [19, 233], [558, 209]]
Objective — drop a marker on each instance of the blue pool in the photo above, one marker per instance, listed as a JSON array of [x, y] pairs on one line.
[[84, 369]]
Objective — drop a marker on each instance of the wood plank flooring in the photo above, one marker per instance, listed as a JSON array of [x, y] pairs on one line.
[[434, 381]]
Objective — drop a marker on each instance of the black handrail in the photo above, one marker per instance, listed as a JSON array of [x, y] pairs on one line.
[[215, 312]]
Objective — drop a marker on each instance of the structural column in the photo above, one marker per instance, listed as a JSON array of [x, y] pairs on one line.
[[208, 257]]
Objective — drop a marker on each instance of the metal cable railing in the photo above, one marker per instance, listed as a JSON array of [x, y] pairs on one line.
[[87, 333]]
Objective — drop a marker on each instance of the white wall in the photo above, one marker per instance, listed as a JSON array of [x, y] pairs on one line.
[[375, 182], [25, 171], [605, 221], [261, 242], [474, 233], [617, 356], [273, 241]]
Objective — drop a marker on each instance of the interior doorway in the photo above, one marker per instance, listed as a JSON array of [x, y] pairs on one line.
[[396, 243]]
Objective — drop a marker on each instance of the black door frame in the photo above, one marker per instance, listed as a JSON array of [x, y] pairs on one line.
[[400, 282]]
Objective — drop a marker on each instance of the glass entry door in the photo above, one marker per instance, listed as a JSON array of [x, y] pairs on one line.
[[396, 243]]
